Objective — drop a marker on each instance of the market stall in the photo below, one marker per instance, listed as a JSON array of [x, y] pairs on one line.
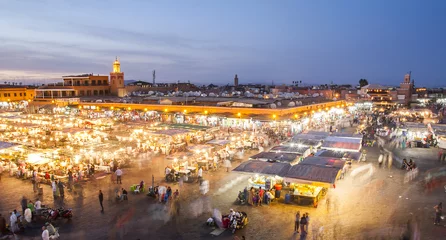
[[308, 183], [267, 174]]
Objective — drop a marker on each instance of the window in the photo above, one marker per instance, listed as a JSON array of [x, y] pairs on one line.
[[93, 82], [5, 95], [25, 94], [82, 92], [20, 94], [15, 94]]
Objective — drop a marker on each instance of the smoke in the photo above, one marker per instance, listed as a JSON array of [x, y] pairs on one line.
[[199, 206], [229, 185], [366, 175]]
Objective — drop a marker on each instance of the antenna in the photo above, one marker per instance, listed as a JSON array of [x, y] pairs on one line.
[[154, 76]]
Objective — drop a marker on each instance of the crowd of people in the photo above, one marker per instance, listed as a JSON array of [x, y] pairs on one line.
[[255, 197]]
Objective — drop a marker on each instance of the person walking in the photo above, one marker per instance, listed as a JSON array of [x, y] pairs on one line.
[[297, 222], [101, 199], [307, 218], [61, 189], [438, 211], [54, 188], [70, 180], [24, 204], [118, 176], [34, 180], [303, 223], [200, 175]]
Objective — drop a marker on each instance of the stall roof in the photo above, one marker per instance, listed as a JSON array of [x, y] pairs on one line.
[[302, 137], [339, 154], [276, 157], [341, 143], [317, 133], [5, 145], [220, 142], [311, 173], [289, 149], [261, 167], [324, 161], [172, 132], [347, 135], [185, 126], [306, 142]]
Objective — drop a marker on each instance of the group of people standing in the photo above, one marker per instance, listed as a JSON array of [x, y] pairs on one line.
[[303, 222], [255, 197]]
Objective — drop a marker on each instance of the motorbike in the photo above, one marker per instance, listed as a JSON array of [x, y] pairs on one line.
[[54, 214], [172, 177], [237, 221], [54, 232]]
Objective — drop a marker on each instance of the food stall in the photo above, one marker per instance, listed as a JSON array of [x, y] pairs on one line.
[[308, 183], [266, 174], [263, 181]]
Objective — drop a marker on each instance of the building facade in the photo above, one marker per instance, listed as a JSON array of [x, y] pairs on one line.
[[85, 85], [88, 85], [9, 93]]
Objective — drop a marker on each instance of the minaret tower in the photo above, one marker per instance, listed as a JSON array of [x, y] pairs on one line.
[[116, 78]]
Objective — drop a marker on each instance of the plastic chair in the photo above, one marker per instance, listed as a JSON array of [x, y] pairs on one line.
[[136, 190]]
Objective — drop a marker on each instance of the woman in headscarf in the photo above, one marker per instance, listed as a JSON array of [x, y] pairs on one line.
[[251, 196]]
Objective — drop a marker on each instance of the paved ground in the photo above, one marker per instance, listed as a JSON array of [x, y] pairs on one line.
[[375, 206]]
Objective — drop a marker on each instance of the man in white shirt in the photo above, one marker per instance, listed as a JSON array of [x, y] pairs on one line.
[[167, 172], [45, 234], [161, 191], [118, 176], [38, 206]]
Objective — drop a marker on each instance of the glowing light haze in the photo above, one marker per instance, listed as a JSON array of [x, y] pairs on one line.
[[210, 41]]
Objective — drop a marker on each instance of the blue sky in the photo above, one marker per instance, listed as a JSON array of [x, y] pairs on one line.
[[210, 41]]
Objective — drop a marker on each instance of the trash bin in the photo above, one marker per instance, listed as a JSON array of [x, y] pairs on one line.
[[287, 198], [40, 190], [277, 194]]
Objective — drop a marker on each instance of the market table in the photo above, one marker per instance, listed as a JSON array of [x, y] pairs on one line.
[[312, 195], [102, 168], [185, 171]]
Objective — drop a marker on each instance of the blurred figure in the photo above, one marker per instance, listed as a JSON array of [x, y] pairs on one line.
[[438, 212]]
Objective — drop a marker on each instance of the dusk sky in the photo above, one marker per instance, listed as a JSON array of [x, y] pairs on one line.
[[210, 41]]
